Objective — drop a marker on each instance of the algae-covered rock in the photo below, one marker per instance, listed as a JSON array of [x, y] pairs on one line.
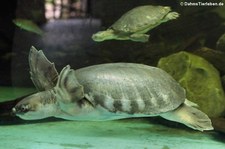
[[200, 79]]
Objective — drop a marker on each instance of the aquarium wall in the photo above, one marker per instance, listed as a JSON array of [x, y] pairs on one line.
[[201, 26], [184, 38]]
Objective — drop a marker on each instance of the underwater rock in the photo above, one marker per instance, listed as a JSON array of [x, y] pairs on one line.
[[200, 79], [220, 45], [219, 124], [215, 57]]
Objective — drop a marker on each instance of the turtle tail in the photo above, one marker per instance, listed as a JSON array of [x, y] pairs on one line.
[[190, 117]]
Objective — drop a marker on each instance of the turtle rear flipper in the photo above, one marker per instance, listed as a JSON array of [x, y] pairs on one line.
[[68, 89], [43, 72], [190, 117]]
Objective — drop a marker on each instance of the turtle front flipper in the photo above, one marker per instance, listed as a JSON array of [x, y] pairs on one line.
[[190, 117], [171, 16], [68, 90], [42, 71], [139, 37]]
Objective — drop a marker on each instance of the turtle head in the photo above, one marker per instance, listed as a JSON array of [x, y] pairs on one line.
[[103, 35], [36, 106]]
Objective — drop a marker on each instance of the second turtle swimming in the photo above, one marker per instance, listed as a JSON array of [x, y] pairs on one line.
[[135, 23]]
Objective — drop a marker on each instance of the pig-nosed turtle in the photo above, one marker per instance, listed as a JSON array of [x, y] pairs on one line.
[[107, 92], [135, 23]]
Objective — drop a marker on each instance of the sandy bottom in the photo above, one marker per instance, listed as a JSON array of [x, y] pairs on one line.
[[121, 134]]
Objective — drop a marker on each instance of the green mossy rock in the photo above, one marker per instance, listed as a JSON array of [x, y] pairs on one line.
[[200, 79]]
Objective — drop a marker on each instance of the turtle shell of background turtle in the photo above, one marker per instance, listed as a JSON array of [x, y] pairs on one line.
[[130, 88], [140, 18]]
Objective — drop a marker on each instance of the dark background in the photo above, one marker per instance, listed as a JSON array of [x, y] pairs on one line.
[[67, 39]]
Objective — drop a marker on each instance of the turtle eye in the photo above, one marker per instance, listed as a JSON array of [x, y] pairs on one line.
[[21, 109], [24, 108]]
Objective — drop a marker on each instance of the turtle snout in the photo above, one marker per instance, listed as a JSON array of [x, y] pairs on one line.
[[20, 109]]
